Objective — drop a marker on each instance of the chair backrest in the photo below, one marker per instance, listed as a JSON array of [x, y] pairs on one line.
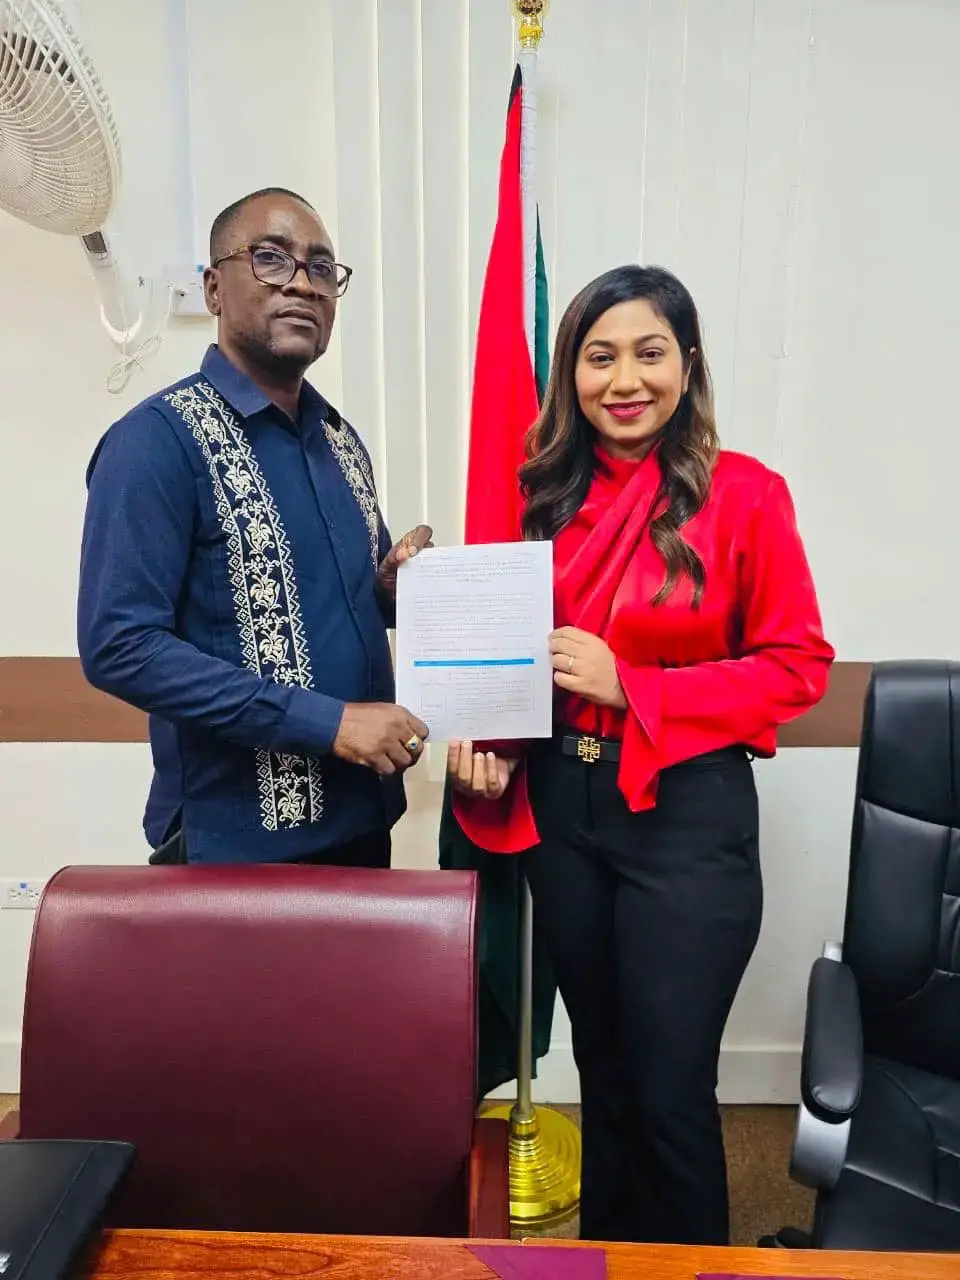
[[902, 935], [291, 1048]]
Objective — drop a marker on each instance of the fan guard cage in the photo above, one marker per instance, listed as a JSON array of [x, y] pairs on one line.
[[59, 145]]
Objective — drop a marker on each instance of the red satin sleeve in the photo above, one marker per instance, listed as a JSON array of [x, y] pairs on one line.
[[499, 826], [782, 669]]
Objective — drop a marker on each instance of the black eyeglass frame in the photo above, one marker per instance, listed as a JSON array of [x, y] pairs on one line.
[[296, 264]]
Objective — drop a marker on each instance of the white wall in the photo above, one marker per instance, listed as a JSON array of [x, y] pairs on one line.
[[794, 161]]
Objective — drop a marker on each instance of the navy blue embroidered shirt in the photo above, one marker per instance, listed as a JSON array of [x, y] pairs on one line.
[[227, 588]]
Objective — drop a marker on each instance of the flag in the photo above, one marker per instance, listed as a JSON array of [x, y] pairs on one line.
[[508, 387]]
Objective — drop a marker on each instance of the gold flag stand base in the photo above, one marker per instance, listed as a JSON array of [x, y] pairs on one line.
[[544, 1165]]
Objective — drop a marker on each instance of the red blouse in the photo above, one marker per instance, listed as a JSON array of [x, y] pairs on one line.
[[750, 658]]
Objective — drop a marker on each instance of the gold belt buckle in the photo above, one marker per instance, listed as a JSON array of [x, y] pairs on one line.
[[588, 750]]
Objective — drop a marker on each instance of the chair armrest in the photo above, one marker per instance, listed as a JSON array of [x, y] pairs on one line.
[[831, 1073], [488, 1181], [832, 1067], [10, 1126]]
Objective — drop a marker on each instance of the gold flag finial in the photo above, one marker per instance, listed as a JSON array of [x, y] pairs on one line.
[[530, 15]]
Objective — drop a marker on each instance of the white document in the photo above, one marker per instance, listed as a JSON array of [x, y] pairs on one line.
[[472, 653]]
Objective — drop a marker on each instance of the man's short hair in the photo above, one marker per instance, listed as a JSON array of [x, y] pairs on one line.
[[222, 223]]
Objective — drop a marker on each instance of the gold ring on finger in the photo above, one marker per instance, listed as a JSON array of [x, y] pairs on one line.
[[570, 666], [413, 745]]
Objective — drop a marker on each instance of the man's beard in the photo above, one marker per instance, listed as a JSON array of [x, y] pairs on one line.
[[282, 366]]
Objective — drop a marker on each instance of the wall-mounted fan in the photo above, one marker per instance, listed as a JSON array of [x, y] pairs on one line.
[[60, 161]]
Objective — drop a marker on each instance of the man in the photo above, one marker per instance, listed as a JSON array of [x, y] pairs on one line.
[[237, 579]]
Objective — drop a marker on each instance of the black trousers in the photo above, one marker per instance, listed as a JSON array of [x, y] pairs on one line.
[[650, 920]]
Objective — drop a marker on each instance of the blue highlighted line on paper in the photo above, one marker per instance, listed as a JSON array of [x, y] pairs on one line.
[[473, 662]]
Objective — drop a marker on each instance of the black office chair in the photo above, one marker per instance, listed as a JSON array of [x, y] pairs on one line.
[[878, 1133]]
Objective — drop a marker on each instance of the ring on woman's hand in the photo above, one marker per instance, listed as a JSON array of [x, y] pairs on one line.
[[570, 666], [413, 745]]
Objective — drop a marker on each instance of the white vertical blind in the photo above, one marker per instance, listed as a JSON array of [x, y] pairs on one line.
[[445, 191], [421, 85]]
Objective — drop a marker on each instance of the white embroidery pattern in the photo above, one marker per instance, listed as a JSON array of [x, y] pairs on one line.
[[356, 469], [265, 595]]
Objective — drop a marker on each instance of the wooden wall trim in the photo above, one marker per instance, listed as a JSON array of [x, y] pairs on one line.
[[837, 719], [49, 700]]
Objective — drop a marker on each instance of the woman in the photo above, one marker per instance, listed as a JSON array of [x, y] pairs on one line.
[[688, 630]]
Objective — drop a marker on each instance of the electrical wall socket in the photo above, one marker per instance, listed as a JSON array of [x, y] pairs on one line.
[[187, 294], [20, 895]]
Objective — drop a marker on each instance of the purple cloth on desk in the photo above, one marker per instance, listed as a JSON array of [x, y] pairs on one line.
[[542, 1262]]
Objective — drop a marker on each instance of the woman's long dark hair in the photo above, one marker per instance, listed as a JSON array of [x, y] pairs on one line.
[[560, 446]]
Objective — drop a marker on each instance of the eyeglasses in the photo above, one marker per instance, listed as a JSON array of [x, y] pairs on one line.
[[275, 266]]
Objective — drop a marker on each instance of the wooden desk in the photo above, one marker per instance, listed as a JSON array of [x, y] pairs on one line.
[[188, 1255]]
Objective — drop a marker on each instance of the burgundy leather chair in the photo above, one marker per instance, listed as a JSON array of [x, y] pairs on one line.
[[289, 1048]]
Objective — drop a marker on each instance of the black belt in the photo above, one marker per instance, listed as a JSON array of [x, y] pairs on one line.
[[588, 749]]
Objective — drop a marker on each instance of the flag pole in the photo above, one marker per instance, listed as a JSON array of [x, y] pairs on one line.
[[529, 20], [544, 1143]]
